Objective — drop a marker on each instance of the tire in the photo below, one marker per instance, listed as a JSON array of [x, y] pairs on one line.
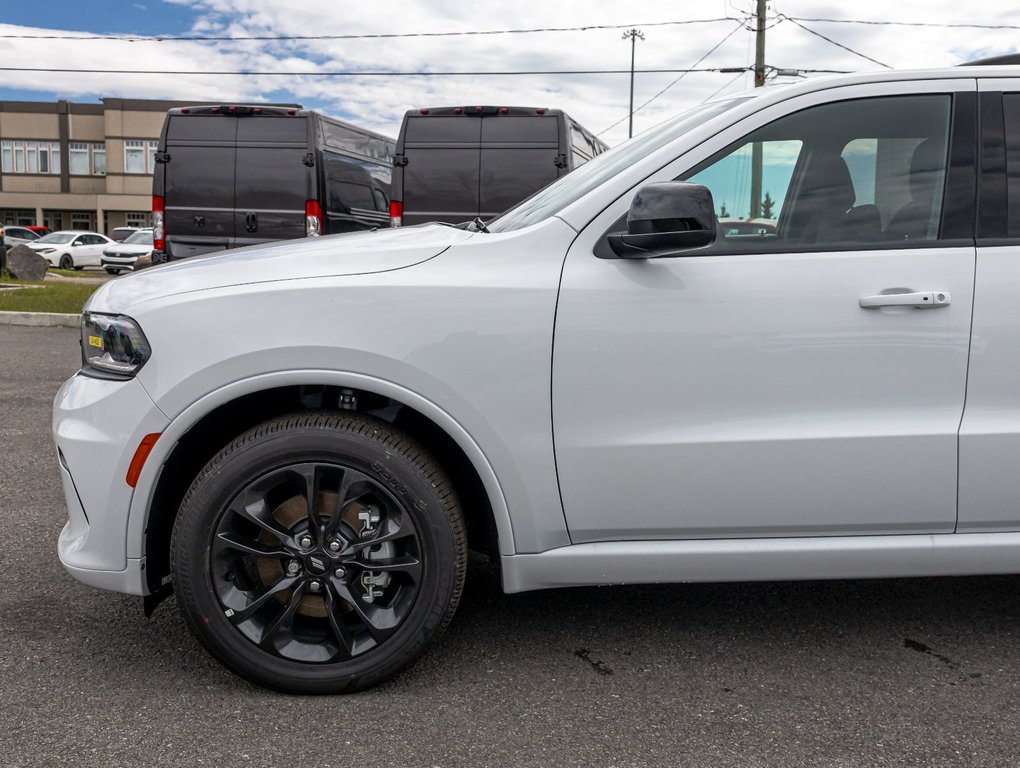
[[112, 271], [258, 583], [66, 262]]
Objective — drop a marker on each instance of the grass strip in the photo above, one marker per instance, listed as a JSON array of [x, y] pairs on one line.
[[49, 297]]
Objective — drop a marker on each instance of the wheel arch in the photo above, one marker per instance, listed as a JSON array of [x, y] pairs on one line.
[[205, 426]]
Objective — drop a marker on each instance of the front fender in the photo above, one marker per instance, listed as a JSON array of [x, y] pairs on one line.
[[141, 501]]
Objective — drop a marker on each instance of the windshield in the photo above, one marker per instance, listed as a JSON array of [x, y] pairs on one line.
[[142, 236], [583, 180], [57, 237]]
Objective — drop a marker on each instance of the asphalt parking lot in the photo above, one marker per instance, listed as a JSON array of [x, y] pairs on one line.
[[863, 673]]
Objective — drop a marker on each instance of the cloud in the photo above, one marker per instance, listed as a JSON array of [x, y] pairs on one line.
[[597, 101]]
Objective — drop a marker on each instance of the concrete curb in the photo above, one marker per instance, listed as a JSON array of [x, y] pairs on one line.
[[47, 319]]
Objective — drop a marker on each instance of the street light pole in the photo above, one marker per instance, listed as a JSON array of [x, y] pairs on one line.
[[633, 34]]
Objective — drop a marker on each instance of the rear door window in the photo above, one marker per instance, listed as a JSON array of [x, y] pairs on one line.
[[433, 129], [201, 128], [544, 128]]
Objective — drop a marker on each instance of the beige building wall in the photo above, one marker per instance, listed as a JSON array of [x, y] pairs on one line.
[[117, 197], [86, 127], [16, 125]]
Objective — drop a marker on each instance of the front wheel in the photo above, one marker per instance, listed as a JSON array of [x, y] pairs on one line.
[[66, 262], [319, 553], [112, 271]]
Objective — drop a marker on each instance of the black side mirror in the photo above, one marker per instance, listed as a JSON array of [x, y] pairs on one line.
[[665, 219]]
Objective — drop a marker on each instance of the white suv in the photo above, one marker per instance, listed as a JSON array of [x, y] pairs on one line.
[[601, 386]]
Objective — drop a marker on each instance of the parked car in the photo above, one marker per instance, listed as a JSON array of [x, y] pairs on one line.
[[301, 440], [72, 249], [120, 234], [239, 174], [125, 255], [13, 235], [455, 164], [757, 227]]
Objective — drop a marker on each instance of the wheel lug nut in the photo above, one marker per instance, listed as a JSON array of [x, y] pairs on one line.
[[306, 540], [314, 585], [293, 567], [340, 572], [334, 546]]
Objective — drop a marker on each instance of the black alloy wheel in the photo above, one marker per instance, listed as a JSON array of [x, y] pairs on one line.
[[319, 553], [66, 262]]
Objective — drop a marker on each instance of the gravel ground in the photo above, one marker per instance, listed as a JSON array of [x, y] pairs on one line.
[[862, 673]]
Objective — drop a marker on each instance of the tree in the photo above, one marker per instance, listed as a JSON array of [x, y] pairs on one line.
[[766, 206]]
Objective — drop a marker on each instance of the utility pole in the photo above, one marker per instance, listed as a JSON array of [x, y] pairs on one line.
[[633, 34], [759, 81]]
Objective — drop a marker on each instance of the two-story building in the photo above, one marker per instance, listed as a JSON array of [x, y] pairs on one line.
[[66, 165]]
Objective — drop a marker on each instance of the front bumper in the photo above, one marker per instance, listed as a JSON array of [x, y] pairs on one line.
[[119, 262], [97, 425]]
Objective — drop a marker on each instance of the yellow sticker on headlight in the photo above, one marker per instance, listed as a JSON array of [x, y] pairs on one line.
[[96, 341]]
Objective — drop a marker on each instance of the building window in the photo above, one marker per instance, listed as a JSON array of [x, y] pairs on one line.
[[136, 219], [134, 156], [99, 159], [84, 159], [140, 156], [30, 157], [78, 159], [81, 220]]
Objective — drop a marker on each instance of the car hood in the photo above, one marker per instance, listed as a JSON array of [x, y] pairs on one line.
[[330, 256]]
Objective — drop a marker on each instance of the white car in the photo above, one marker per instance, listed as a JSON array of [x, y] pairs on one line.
[[124, 255], [71, 249], [601, 386]]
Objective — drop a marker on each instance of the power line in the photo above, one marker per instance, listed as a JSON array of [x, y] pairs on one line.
[[742, 24], [384, 35], [838, 45], [727, 85], [358, 73], [940, 25]]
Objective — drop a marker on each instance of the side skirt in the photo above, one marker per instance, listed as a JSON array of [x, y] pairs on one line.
[[836, 557]]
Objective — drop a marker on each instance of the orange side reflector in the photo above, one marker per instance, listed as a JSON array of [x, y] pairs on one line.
[[138, 460]]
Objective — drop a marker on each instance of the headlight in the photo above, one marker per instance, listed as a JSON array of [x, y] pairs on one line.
[[45, 250], [112, 344]]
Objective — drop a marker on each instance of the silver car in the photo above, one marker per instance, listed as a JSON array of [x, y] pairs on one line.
[[601, 386], [123, 256]]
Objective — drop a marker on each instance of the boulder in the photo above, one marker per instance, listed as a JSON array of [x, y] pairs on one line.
[[25, 264]]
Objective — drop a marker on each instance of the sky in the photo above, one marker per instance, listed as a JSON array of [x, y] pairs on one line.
[[292, 68]]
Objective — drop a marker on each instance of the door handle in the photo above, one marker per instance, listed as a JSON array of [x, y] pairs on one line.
[[920, 299], [251, 222]]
